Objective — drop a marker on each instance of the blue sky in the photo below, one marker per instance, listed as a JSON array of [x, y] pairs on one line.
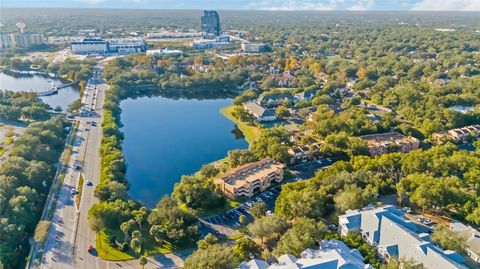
[[463, 5]]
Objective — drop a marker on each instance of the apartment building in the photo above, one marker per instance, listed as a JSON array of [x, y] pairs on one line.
[[259, 112], [253, 47], [472, 239], [250, 178], [332, 254], [458, 134], [379, 144], [393, 235], [305, 153], [22, 40]]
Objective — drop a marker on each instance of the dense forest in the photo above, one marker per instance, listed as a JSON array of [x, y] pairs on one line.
[[25, 179]]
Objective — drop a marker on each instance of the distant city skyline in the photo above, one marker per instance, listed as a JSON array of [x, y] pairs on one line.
[[401, 5]]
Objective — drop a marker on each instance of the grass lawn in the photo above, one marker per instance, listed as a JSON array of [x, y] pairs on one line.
[[215, 211], [78, 197], [235, 236], [107, 252], [250, 132]]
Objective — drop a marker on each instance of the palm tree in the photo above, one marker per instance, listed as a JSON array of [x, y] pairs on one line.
[[143, 260]]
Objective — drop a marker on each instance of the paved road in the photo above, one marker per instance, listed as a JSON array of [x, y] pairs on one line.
[[61, 56], [69, 237], [70, 234]]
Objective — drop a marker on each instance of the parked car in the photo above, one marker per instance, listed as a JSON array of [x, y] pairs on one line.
[[425, 221], [333, 226], [73, 191], [407, 210]]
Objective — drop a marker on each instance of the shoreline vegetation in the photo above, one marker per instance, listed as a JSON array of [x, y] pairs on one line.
[[116, 235], [248, 131]]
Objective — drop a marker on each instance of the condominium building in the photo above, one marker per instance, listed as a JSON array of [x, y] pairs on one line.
[[305, 153], [332, 254], [250, 178], [472, 239], [22, 40], [379, 144], [259, 112], [253, 47], [393, 235], [458, 134]]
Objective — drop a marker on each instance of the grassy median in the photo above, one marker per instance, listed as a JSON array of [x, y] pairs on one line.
[[78, 197]]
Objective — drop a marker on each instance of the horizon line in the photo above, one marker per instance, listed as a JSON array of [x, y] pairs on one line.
[[269, 10]]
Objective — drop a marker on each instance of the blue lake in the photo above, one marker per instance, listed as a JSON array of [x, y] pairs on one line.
[[64, 97], [167, 138]]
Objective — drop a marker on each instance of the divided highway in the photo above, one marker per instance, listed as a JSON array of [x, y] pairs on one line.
[[69, 235]]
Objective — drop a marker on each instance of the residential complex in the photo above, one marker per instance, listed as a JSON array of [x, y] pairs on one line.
[[306, 95], [303, 153], [458, 134], [332, 254], [472, 239], [271, 100], [210, 23], [253, 47], [113, 46], [250, 178], [379, 144], [20, 40], [259, 112], [394, 236]]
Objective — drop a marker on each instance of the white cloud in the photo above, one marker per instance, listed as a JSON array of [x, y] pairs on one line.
[[311, 4], [448, 5], [362, 5], [293, 5], [94, 2]]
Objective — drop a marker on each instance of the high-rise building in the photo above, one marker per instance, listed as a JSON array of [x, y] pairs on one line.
[[23, 40], [210, 23]]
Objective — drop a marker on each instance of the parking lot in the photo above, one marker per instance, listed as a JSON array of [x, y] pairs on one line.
[[308, 169], [224, 225]]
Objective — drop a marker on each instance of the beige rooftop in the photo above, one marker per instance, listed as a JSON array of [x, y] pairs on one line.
[[246, 174]]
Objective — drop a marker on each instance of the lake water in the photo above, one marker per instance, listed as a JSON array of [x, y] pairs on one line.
[[64, 97], [167, 138]]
